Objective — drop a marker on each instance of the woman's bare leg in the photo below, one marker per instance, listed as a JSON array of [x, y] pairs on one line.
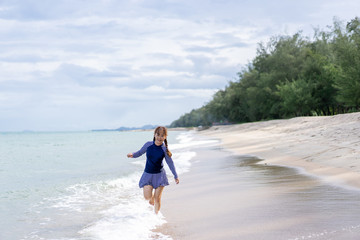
[[148, 193], [157, 196]]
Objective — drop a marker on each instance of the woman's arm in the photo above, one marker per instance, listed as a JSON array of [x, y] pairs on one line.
[[140, 152], [171, 165]]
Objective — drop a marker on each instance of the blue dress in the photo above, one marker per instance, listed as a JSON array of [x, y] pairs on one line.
[[154, 173]]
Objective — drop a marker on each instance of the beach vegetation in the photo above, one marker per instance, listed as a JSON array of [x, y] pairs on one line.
[[290, 76]]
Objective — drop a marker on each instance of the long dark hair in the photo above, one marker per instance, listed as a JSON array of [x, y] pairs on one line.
[[161, 129]]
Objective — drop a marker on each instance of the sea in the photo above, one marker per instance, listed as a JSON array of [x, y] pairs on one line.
[[80, 185]]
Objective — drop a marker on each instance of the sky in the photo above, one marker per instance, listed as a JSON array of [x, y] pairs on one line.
[[73, 65]]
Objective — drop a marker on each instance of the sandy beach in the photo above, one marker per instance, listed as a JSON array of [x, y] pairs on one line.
[[328, 147], [207, 205]]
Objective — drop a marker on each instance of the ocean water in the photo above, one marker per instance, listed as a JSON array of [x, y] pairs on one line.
[[79, 185]]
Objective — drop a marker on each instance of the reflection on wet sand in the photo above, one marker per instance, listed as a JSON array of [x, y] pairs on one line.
[[284, 203], [230, 197]]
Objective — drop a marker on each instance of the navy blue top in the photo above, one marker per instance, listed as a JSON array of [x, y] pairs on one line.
[[154, 158]]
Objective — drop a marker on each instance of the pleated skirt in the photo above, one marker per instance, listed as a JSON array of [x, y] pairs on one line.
[[154, 179]]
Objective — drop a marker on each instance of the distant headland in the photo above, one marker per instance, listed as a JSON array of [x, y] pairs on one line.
[[145, 127]]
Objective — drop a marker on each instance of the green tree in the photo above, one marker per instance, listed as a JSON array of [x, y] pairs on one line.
[[319, 70], [297, 98], [280, 61], [346, 46]]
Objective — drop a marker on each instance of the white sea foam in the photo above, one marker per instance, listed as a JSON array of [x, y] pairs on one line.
[[113, 209], [80, 197], [187, 140], [183, 161], [183, 154], [133, 220], [129, 217]]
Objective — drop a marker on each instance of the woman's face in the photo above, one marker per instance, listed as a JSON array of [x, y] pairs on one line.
[[159, 138]]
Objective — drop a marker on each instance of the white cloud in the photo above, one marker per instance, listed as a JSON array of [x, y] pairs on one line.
[[95, 64]]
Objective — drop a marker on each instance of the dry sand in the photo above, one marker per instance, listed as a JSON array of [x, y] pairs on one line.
[[328, 147]]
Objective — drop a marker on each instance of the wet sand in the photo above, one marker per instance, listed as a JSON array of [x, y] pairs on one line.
[[241, 198], [230, 194]]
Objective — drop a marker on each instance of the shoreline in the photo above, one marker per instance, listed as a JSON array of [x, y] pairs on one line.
[[327, 147]]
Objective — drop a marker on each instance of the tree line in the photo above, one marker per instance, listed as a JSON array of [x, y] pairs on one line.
[[290, 76]]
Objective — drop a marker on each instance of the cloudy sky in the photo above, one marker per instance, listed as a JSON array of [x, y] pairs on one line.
[[89, 64]]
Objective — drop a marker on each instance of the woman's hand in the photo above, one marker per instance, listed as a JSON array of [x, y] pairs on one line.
[[177, 180], [130, 155]]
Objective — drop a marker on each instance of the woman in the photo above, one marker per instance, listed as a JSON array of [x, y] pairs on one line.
[[154, 176]]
